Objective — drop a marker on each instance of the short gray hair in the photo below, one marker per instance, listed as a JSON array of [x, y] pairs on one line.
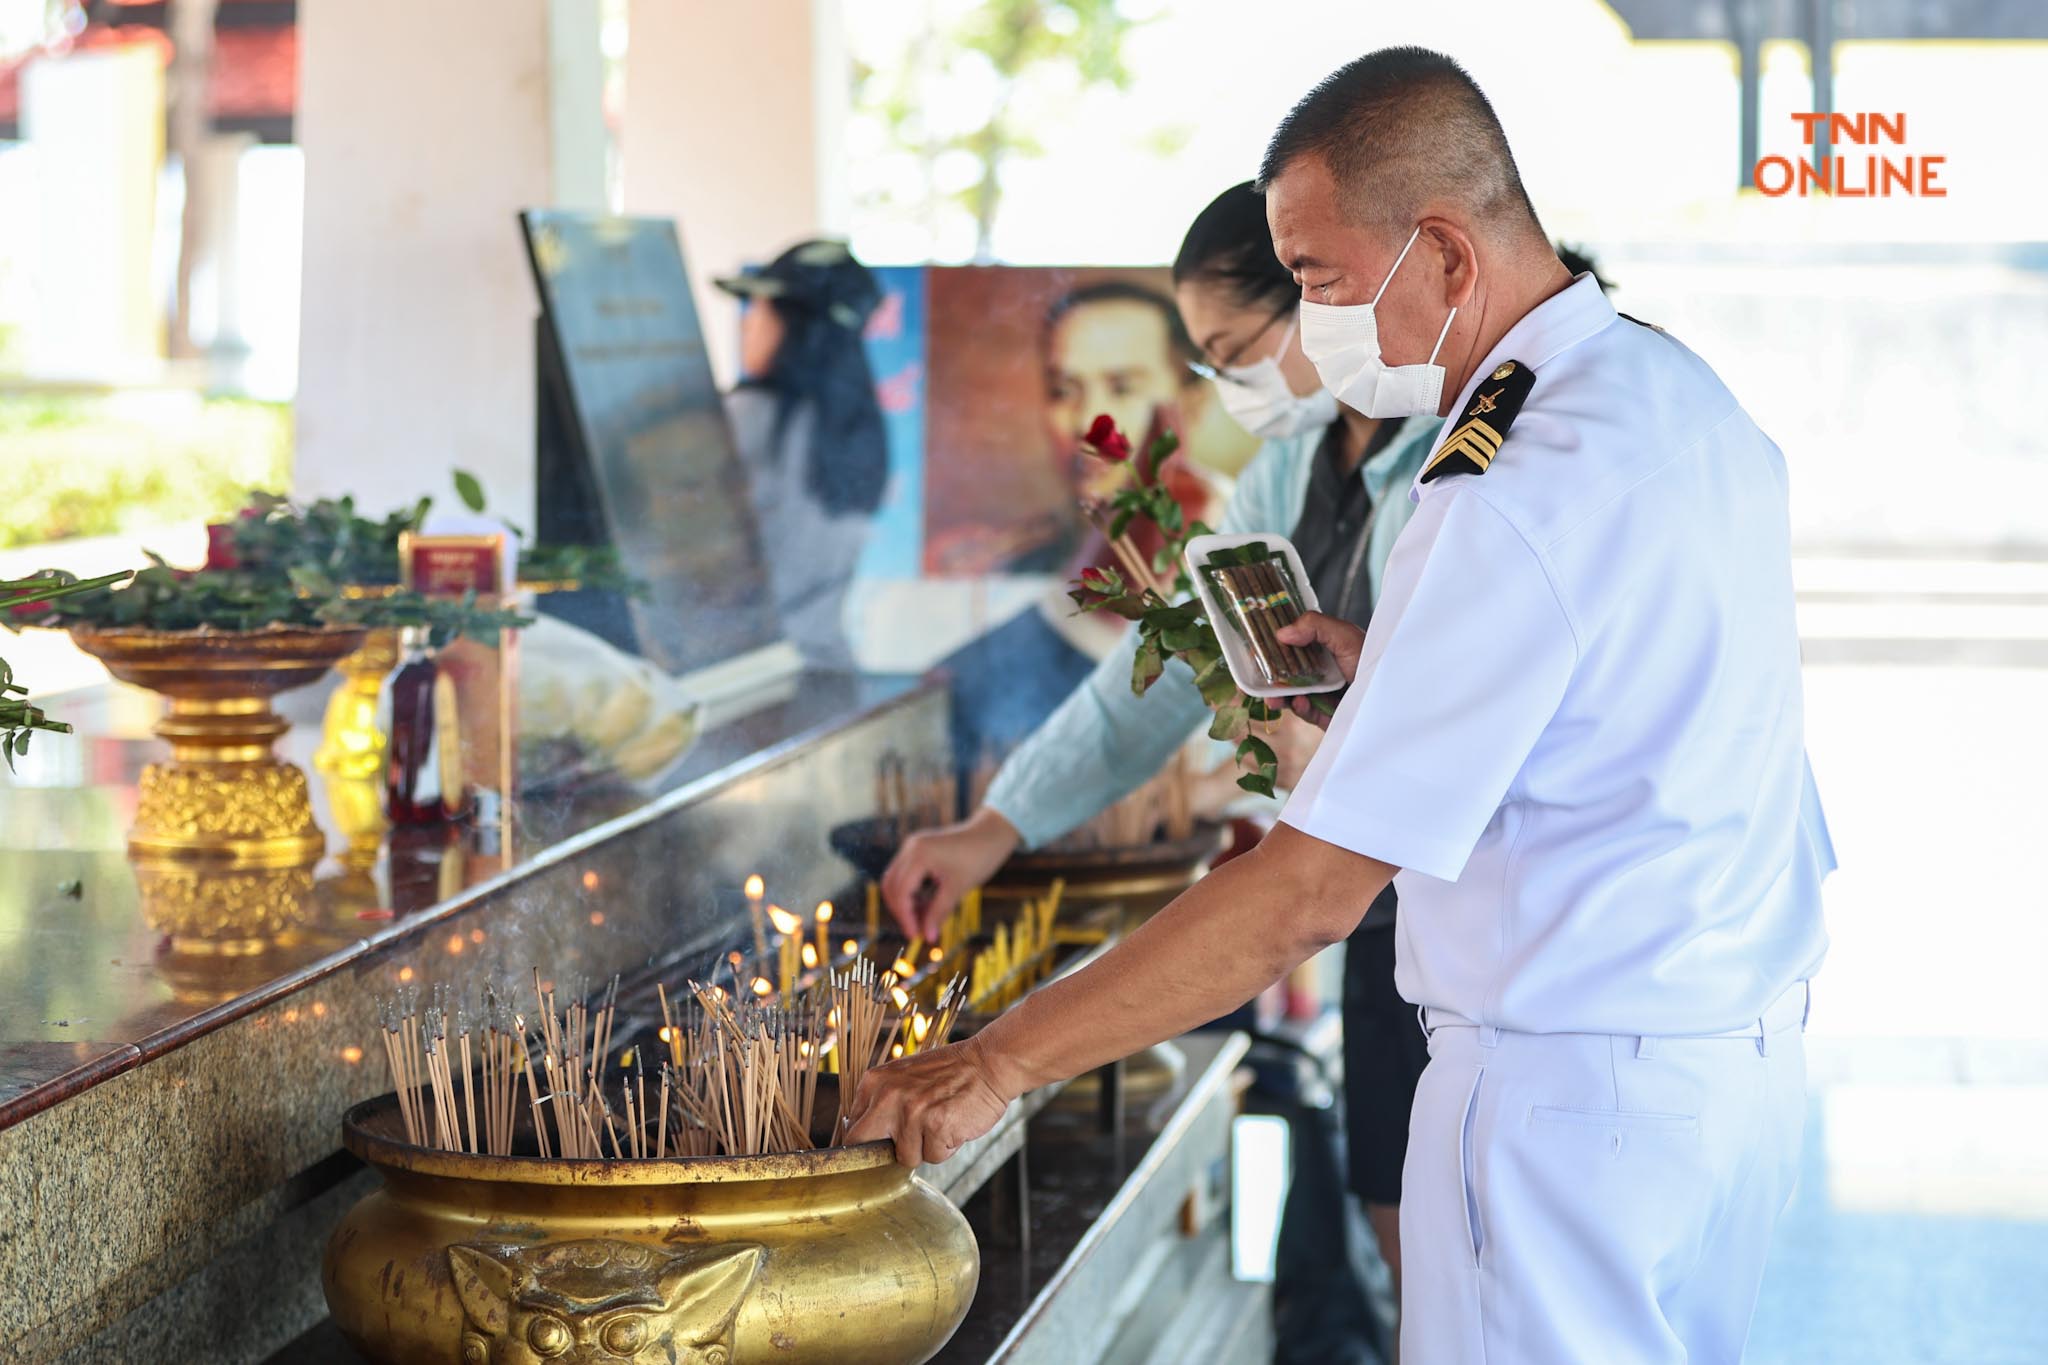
[[1401, 127]]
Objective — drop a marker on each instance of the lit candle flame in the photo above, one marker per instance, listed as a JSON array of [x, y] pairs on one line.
[[901, 997], [667, 1034], [938, 954], [849, 947], [803, 1048], [824, 912], [903, 969], [756, 888], [896, 1051], [784, 922], [591, 880], [763, 986], [810, 955], [832, 1017], [920, 1025]]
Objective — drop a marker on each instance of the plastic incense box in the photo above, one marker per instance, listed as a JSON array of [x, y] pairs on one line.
[[1250, 587]]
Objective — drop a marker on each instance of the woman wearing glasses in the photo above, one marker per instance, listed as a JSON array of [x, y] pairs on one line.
[[1334, 481]]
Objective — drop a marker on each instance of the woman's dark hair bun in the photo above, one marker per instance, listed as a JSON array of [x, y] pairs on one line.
[[1230, 245]]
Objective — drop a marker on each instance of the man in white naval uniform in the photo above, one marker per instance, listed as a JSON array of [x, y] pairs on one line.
[[1575, 732]]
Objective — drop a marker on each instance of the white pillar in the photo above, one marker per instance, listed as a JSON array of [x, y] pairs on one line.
[[426, 128], [731, 128], [96, 121]]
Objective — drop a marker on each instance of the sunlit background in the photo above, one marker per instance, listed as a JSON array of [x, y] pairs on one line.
[[153, 227]]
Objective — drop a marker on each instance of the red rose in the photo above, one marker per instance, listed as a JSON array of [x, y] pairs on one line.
[[220, 546], [1109, 443], [1095, 578]]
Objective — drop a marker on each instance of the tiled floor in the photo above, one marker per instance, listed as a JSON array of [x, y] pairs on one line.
[[1919, 1234]]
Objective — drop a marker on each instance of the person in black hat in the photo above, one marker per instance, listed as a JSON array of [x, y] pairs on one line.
[[809, 432]]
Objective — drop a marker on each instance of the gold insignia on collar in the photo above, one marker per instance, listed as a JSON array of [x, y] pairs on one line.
[[1475, 443]]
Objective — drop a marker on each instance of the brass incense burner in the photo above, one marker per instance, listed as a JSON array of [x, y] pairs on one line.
[[837, 1255], [224, 797]]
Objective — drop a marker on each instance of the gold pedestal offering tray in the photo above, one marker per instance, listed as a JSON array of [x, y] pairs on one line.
[[224, 797]]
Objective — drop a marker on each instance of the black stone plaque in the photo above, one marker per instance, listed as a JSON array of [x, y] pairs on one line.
[[633, 446]]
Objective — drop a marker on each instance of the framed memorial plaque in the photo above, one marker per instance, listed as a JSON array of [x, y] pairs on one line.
[[635, 451]]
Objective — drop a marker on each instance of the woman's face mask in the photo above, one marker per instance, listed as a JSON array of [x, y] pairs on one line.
[[1259, 398], [1343, 343]]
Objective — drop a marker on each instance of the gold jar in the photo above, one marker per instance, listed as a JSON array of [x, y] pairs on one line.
[[838, 1255]]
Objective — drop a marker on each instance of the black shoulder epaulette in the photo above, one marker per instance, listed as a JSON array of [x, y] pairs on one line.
[[1471, 448]]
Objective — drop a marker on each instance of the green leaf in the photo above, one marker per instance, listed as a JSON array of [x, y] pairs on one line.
[[1325, 702], [1121, 522], [1214, 682], [1230, 723], [1146, 667], [1180, 639], [469, 490], [1232, 556], [1257, 783], [1163, 618], [1258, 751]]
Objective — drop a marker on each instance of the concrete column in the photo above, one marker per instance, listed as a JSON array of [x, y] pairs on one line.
[[426, 128], [732, 127]]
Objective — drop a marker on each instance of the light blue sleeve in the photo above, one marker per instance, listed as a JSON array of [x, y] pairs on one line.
[[1411, 447], [1104, 741]]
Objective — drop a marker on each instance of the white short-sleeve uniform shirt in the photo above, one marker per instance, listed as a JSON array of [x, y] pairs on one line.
[[1577, 723]]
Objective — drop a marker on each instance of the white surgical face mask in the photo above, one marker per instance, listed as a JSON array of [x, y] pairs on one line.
[[1259, 398], [1343, 343]]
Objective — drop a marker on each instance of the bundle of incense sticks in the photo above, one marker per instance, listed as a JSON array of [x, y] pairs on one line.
[[1165, 805], [915, 800], [740, 1078], [1018, 957], [1260, 599]]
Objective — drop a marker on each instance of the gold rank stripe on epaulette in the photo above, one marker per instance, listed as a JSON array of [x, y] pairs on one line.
[[1472, 446]]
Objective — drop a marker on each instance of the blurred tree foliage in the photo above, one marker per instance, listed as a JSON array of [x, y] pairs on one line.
[[96, 464], [1016, 37]]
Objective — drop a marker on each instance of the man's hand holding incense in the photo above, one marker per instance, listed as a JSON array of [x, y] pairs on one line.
[[931, 1103], [1345, 642]]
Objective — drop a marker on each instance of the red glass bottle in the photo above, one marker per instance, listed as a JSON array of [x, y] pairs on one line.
[[417, 714]]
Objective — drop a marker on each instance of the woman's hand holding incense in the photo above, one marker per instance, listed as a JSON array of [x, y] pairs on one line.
[[935, 868], [931, 1103], [1345, 642]]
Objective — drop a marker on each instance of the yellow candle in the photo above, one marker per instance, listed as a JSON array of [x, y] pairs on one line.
[[824, 917], [790, 927], [756, 890], [874, 912]]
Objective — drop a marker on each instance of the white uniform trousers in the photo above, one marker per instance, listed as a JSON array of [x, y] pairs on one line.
[[1581, 1199]]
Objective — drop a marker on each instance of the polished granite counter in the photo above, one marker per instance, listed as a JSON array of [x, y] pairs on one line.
[[170, 1116], [92, 982]]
